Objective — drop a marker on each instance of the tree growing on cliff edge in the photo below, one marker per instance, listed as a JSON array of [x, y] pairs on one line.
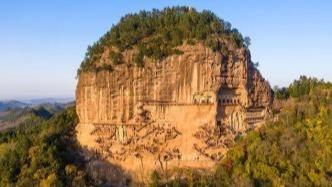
[[247, 41]]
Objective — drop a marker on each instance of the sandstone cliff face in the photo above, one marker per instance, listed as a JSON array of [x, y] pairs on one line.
[[182, 111]]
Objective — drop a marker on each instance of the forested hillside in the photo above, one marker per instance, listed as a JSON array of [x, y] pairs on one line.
[[41, 153], [156, 34], [13, 117]]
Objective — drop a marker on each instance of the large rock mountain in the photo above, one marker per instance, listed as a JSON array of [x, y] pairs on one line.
[[181, 110]]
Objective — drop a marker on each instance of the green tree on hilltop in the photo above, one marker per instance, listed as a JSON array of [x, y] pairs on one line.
[[157, 33]]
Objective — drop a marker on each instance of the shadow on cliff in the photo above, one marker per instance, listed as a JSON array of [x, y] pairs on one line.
[[102, 172]]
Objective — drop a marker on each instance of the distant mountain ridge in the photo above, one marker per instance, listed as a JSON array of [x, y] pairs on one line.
[[14, 113], [39, 101], [16, 104], [11, 104]]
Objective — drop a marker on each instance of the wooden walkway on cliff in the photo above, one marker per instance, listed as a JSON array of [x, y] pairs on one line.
[[170, 103]]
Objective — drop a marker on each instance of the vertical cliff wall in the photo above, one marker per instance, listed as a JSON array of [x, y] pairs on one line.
[[182, 111]]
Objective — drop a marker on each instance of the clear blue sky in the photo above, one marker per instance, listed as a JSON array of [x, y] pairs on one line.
[[43, 42]]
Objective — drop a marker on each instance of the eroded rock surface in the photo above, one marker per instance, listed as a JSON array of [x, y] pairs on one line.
[[182, 111]]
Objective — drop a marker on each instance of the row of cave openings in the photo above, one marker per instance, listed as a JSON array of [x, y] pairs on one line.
[[253, 120], [234, 101], [228, 101]]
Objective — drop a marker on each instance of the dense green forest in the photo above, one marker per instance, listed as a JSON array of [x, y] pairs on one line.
[[294, 148], [156, 33], [305, 87], [41, 153]]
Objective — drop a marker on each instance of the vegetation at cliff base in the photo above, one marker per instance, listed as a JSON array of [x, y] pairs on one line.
[[295, 149], [40, 153], [157, 33]]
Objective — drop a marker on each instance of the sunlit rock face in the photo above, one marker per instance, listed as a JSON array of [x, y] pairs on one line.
[[182, 111]]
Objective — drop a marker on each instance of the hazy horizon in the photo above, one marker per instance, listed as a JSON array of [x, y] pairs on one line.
[[34, 98], [43, 43]]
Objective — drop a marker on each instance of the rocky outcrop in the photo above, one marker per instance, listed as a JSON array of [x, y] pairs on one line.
[[182, 111]]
